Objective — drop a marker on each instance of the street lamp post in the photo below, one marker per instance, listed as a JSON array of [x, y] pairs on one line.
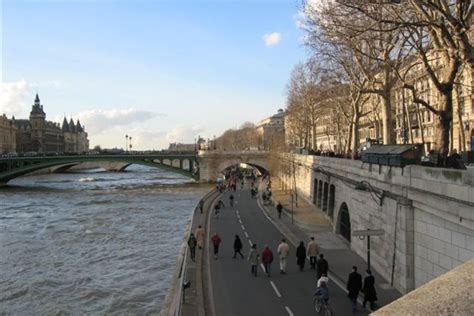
[[126, 143], [362, 234], [130, 145]]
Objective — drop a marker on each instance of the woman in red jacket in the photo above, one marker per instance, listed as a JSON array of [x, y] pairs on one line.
[[216, 241], [267, 259]]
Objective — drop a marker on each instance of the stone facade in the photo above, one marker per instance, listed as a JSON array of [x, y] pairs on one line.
[[272, 130], [427, 214], [39, 135], [7, 135]]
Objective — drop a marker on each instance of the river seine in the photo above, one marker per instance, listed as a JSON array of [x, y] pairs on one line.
[[93, 242]]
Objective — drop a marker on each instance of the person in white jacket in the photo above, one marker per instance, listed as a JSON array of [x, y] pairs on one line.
[[283, 250], [324, 278]]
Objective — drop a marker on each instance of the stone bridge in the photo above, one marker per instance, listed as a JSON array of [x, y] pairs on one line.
[[212, 163], [427, 214], [204, 166]]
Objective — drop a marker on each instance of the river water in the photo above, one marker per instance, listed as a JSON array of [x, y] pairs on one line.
[[92, 243]]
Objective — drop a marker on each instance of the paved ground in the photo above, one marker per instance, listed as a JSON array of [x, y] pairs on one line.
[[236, 292]]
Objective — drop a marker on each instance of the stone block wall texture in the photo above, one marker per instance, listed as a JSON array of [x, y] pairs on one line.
[[427, 214]]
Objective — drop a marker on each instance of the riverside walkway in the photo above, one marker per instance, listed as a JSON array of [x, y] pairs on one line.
[[227, 284]]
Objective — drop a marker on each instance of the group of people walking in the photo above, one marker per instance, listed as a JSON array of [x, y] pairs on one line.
[[317, 261]]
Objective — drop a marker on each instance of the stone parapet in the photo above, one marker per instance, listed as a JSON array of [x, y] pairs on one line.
[[427, 214]]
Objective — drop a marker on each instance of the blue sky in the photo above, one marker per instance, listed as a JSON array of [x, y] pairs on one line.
[[161, 71]]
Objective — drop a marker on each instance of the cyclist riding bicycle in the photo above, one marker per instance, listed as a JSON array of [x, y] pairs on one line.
[[322, 292]]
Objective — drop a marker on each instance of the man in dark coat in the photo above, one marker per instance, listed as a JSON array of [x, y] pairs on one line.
[[279, 209], [354, 285], [369, 290], [322, 266], [192, 242], [237, 247], [301, 255]]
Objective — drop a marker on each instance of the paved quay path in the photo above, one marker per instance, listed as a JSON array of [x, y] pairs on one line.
[[309, 221], [234, 291]]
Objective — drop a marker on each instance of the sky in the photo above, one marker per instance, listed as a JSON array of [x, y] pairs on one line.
[[160, 71]]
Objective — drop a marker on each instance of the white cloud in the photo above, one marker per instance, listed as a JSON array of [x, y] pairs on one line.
[[271, 39], [98, 121], [184, 134], [12, 97]]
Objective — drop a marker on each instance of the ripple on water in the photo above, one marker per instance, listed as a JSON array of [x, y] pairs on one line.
[[91, 247]]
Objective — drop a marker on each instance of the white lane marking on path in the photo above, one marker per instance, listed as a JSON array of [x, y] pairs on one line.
[[246, 235], [289, 311], [250, 243], [243, 227], [240, 221], [275, 288], [262, 266]]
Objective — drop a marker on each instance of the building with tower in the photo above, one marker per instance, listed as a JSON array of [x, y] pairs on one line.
[[39, 135]]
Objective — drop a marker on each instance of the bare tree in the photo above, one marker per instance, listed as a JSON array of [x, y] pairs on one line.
[[439, 32]]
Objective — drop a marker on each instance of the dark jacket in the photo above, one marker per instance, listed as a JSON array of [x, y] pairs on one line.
[[192, 242], [322, 266], [354, 284], [369, 288], [267, 256], [300, 255], [237, 244], [279, 207]]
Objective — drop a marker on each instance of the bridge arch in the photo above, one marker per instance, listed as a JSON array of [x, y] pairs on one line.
[[260, 165]]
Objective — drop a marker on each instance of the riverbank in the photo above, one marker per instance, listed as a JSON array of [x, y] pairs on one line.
[[189, 301]]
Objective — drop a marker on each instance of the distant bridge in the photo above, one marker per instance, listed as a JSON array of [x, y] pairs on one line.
[[202, 166]]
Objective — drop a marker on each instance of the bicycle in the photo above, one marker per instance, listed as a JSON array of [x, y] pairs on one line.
[[322, 306]]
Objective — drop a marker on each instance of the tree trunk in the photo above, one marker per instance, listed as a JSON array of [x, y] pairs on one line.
[[462, 134], [443, 125], [349, 137], [355, 135], [420, 126], [387, 131], [313, 130], [408, 118]]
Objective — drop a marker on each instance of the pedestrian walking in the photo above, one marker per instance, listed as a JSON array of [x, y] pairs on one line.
[[216, 241], [370, 295], [253, 258], [267, 259], [217, 210], [199, 233], [313, 251], [192, 242], [279, 209], [283, 250], [201, 205], [322, 266], [238, 247], [301, 255], [354, 285]]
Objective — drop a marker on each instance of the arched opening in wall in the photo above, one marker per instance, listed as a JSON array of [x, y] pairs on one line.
[[320, 193], [242, 173], [345, 222], [325, 197], [315, 191], [332, 197]]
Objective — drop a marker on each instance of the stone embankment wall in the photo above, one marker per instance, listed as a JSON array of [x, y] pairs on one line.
[[427, 214]]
